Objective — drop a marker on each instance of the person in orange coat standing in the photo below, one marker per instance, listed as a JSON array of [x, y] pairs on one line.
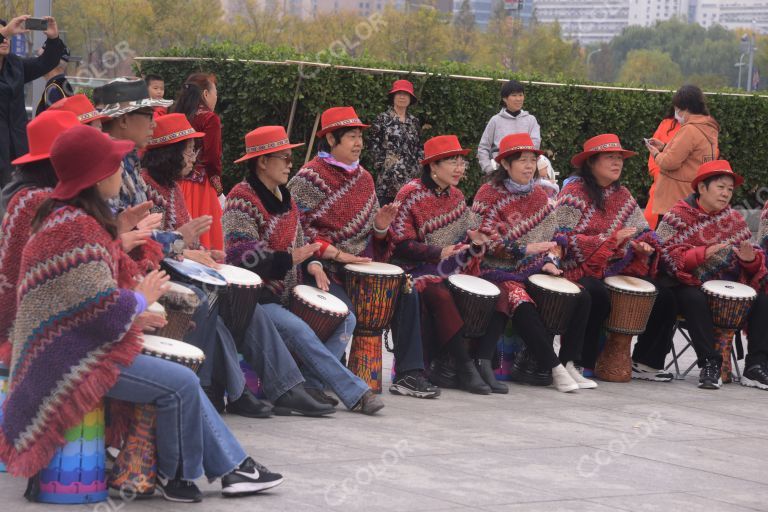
[[664, 132], [202, 187]]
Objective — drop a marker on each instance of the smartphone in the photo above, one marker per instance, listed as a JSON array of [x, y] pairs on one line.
[[40, 24]]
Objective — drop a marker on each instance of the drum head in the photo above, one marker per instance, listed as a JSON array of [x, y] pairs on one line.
[[156, 308], [554, 283], [179, 289], [375, 268], [196, 272], [172, 348], [475, 285], [239, 276], [730, 289], [320, 299], [630, 284]]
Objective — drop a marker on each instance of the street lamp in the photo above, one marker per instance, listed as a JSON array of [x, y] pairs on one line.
[[740, 65], [589, 58]]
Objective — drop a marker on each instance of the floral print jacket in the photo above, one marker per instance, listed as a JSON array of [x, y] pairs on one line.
[[396, 149]]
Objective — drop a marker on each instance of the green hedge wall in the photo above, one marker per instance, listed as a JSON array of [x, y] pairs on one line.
[[252, 94]]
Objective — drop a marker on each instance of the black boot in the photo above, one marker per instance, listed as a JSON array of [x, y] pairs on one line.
[[215, 394], [298, 400], [485, 369], [525, 370], [249, 406], [442, 372], [470, 380]]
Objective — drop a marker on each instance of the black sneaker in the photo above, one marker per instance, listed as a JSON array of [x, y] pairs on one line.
[[525, 370], [250, 478], [249, 406], [644, 372], [709, 377], [755, 377], [180, 491], [414, 385], [442, 373]]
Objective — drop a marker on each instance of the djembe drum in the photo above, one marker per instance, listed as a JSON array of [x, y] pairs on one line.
[[729, 303], [180, 304], [555, 298], [322, 311], [632, 300], [240, 298], [136, 465], [475, 299], [197, 274], [373, 289]]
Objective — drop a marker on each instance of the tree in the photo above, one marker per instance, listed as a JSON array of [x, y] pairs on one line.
[[464, 33], [650, 67], [422, 36]]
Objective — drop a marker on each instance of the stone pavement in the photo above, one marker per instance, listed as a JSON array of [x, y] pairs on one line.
[[640, 446]]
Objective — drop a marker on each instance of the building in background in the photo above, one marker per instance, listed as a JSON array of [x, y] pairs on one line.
[[586, 21], [647, 12], [732, 14]]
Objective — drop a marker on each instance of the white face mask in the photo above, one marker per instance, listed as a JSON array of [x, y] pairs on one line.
[[679, 117]]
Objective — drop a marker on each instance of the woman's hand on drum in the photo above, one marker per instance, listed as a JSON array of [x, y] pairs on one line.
[[453, 250], [623, 234], [316, 270], [133, 239], [154, 285], [345, 258], [300, 254], [714, 249], [151, 221], [385, 216], [131, 216], [551, 269], [745, 252], [643, 248], [192, 230], [202, 257], [539, 247], [218, 256], [150, 322]]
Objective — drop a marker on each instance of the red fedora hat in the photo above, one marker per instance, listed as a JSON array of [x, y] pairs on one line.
[[42, 131], [264, 140], [605, 143], [403, 86], [172, 128], [715, 168], [83, 156], [81, 106], [339, 117], [516, 143], [442, 146]]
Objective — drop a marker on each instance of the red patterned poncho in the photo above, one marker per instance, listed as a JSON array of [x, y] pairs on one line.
[[169, 201], [686, 231], [592, 248]]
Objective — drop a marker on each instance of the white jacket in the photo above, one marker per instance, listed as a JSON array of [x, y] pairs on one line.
[[501, 125]]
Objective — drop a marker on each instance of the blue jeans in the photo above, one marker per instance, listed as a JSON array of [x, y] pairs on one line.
[[192, 439], [210, 335], [320, 360], [265, 351]]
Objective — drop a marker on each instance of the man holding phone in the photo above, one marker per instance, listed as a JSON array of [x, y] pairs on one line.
[[15, 71]]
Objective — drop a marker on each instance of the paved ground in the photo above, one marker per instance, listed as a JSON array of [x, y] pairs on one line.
[[635, 447]]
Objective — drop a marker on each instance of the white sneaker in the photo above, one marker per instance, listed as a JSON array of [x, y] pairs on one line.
[[562, 380], [579, 378]]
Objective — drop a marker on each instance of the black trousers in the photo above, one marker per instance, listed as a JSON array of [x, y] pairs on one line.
[[654, 343], [757, 333]]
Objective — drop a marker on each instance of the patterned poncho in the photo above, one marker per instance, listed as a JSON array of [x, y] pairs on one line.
[[337, 206], [686, 230], [592, 249], [426, 222], [259, 236], [169, 201], [73, 330], [15, 233]]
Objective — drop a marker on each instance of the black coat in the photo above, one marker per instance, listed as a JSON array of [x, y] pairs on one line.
[[15, 72]]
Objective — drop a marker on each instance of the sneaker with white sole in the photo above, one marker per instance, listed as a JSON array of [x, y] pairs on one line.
[[709, 376], [562, 380], [178, 490], [250, 478], [576, 375], [755, 377], [644, 372]]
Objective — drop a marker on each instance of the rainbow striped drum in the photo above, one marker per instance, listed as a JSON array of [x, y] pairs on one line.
[[76, 471]]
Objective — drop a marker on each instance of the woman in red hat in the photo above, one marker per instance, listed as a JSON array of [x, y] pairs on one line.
[[430, 238], [261, 218], [519, 208], [703, 239], [32, 182], [394, 143], [82, 343], [202, 187], [606, 234], [339, 209]]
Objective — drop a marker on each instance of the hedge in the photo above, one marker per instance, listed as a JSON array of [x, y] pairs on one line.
[[253, 94]]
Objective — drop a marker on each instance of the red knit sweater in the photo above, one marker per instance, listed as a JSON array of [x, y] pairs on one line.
[[592, 247], [169, 201]]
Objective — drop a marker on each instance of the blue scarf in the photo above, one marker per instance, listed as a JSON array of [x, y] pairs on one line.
[[517, 188], [329, 159]]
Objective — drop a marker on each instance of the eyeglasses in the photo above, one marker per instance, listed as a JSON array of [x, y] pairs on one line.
[[288, 159], [191, 153], [457, 163]]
